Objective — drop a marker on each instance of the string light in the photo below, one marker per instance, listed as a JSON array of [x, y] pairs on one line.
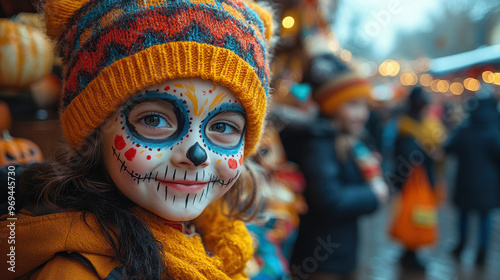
[[472, 84], [408, 79], [413, 74], [426, 80], [389, 68], [456, 88], [288, 22], [488, 77], [434, 84], [345, 55], [496, 80], [443, 86], [333, 46]]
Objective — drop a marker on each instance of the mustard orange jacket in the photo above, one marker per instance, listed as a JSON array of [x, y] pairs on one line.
[[37, 247]]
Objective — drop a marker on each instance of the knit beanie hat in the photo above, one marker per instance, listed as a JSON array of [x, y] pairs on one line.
[[333, 83], [113, 48]]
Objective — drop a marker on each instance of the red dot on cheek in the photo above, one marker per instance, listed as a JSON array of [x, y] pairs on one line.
[[148, 157], [232, 163], [130, 154], [119, 142], [167, 88]]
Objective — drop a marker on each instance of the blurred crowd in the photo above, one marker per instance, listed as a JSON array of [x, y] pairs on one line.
[[357, 155]]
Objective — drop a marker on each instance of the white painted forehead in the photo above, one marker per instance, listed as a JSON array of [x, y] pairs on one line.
[[199, 85]]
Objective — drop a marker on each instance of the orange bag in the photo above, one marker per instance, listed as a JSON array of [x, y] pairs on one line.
[[415, 222]]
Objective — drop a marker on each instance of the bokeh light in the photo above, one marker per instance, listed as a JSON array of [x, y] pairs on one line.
[[346, 55], [472, 84], [426, 80], [488, 77], [288, 22], [456, 88]]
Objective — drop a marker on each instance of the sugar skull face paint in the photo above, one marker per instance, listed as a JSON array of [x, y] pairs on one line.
[[176, 147]]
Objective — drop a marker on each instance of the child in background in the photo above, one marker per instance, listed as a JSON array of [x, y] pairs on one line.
[[162, 103], [343, 178], [276, 232]]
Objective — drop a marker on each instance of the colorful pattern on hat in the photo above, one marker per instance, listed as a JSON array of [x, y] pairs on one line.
[[114, 48]]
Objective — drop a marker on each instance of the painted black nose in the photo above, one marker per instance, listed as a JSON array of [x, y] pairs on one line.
[[196, 154]]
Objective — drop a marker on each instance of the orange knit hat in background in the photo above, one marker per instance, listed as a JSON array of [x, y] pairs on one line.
[[333, 83], [114, 48]]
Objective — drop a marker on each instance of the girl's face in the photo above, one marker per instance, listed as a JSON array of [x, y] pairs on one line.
[[175, 147], [352, 115]]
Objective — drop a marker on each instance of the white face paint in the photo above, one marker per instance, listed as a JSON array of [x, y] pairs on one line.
[[176, 147]]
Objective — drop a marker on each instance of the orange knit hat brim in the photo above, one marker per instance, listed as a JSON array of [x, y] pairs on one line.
[[333, 98]]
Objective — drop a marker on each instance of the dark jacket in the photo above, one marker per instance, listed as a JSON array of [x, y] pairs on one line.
[[477, 147], [336, 195], [408, 153]]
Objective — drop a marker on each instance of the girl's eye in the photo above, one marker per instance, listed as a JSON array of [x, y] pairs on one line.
[[226, 129], [155, 121], [152, 119], [222, 128]]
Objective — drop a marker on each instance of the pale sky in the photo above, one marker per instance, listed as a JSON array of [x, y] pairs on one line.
[[382, 20]]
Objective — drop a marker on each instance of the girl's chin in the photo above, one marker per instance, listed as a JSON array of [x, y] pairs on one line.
[[180, 215]]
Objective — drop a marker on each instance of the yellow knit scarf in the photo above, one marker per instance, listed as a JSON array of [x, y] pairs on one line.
[[186, 257], [429, 132]]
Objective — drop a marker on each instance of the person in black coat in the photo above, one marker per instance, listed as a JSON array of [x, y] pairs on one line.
[[477, 186], [411, 149], [343, 179], [418, 143]]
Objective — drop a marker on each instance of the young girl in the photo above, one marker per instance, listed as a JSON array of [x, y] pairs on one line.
[[343, 177], [163, 101]]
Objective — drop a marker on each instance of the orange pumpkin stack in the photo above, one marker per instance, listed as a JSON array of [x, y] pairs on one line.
[[15, 150], [26, 55]]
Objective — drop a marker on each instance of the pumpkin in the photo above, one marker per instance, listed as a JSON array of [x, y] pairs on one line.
[[45, 92], [26, 54], [5, 117], [18, 150]]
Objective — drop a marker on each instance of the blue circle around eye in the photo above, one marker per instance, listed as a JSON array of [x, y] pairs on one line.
[[224, 150], [180, 112]]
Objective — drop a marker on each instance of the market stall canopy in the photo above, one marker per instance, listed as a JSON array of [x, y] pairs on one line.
[[487, 55]]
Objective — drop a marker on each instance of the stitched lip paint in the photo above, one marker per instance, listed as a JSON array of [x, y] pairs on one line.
[[185, 186]]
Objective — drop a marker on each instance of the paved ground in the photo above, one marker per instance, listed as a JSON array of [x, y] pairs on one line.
[[378, 256]]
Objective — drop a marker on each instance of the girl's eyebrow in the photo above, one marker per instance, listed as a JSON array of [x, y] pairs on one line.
[[151, 102], [152, 97]]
